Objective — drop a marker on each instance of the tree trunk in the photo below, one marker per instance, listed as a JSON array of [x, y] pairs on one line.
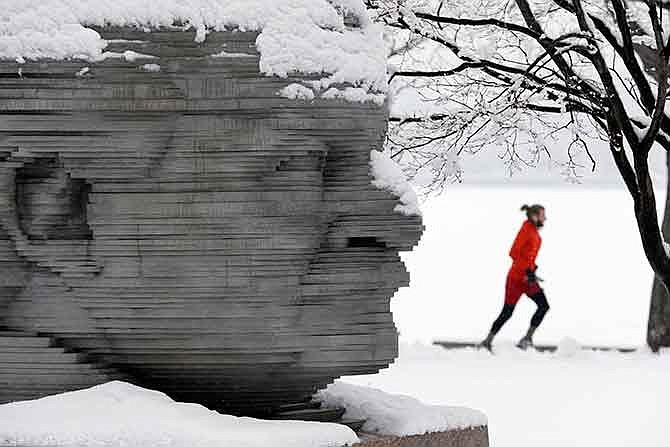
[[658, 329]]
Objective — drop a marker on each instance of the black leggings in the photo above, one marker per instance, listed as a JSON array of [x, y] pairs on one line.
[[508, 309]]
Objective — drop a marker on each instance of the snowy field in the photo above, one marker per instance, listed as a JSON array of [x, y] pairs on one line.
[[541, 400], [598, 284]]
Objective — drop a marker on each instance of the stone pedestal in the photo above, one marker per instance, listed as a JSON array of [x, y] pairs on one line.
[[472, 437]]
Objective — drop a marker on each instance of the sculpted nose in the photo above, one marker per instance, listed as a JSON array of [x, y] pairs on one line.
[[357, 268], [396, 201], [377, 208]]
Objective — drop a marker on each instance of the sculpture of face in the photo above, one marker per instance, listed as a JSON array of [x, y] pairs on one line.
[[192, 227]]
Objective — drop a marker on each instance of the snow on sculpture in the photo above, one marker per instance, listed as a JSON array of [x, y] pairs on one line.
[[171, 214]]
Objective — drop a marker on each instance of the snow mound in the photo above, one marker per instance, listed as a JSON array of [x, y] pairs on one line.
[[568, 347], [117, 414], [392, 414], [296, 36], [388, 175]]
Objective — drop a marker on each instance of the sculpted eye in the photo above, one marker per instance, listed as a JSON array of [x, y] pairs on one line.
[[51, 205]]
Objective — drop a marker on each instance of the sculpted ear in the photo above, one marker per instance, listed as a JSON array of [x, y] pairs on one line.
[[43, 211]]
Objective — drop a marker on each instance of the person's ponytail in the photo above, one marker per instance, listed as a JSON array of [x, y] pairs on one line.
[[531, 209]]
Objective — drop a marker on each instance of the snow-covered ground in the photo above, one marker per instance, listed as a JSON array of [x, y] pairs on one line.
[[598, 284], [542, 400]]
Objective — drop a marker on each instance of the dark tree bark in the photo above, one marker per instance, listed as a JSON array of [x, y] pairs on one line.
[[658, 329]]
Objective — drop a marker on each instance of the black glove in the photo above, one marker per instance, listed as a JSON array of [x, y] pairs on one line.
[[531, 276]]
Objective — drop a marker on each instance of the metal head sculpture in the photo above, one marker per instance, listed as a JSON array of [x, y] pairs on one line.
[[175, 216]]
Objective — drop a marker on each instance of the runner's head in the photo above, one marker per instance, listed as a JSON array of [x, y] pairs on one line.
[[535, 214]]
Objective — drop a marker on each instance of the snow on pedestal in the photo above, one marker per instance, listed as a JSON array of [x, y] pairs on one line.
[[117, 413], [393, 414]]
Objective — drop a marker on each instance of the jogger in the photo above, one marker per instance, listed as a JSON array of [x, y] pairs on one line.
[[521, 279]]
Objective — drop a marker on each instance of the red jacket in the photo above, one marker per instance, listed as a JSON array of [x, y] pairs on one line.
[[524, 249]]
